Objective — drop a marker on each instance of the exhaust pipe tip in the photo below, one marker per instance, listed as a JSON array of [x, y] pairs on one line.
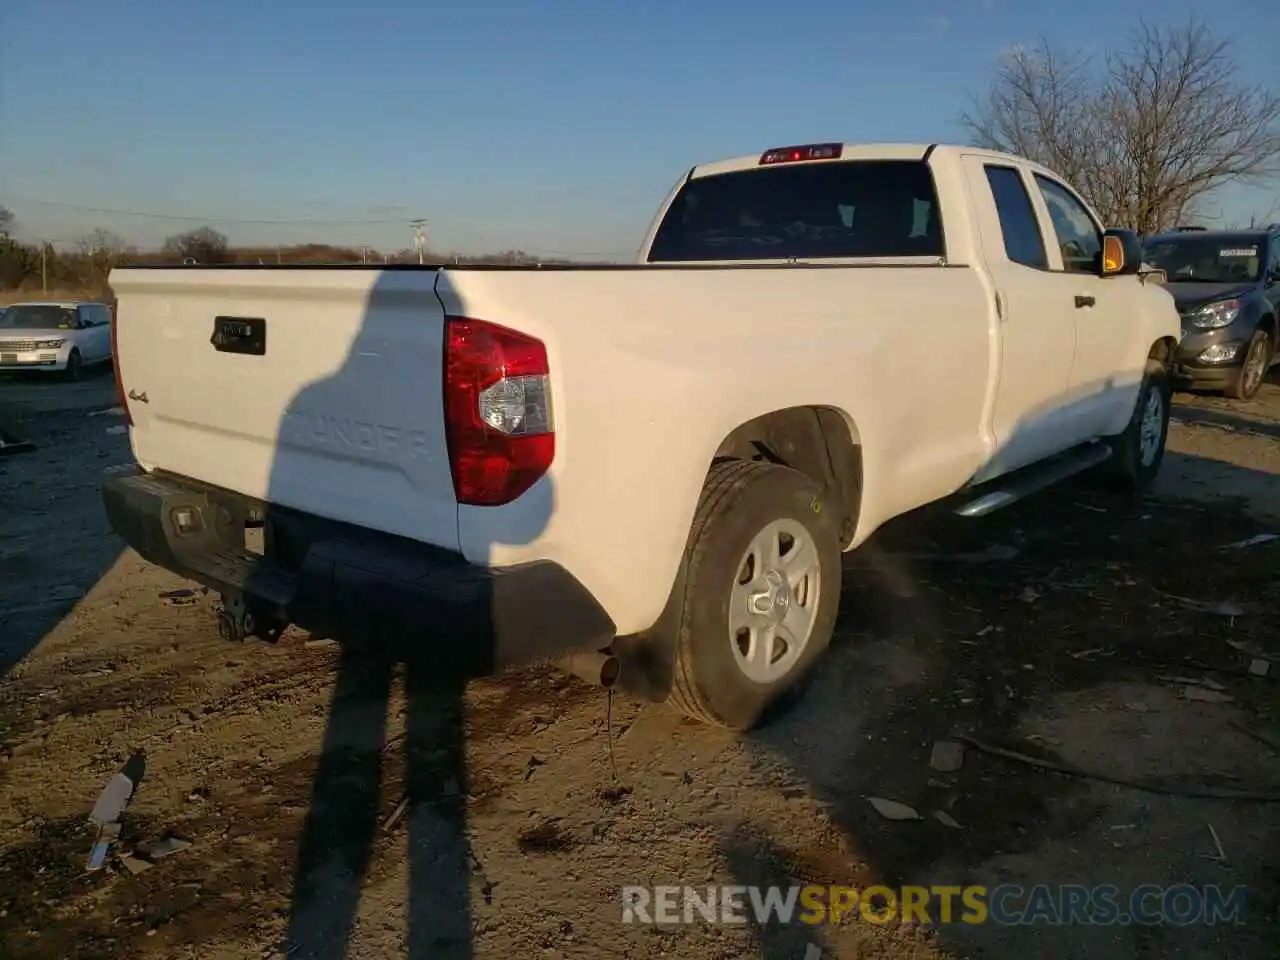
[[598, 669]]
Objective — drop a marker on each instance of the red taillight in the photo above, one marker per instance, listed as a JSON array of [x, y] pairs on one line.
[[115, 364], [814, 151], [497, 411]]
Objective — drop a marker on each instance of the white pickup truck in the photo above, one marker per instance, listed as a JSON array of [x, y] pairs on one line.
[[647, 470]]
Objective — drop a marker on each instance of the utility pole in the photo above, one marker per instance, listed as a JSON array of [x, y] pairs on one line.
[[364, 253], [44, 267], [419, 238]]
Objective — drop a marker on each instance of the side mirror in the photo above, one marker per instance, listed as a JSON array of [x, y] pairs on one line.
[[1121, 253]]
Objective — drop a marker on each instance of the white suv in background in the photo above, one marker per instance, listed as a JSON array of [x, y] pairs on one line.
[[55, 337]]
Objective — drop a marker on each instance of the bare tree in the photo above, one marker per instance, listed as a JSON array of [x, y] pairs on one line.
[[203, 244], [102, 243], [7, 221], [1146, 134]]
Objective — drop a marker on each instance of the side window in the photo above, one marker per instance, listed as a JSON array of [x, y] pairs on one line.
[[103, 318], [1273, 262], [1078, 236], [1022, 241], [84, 315]]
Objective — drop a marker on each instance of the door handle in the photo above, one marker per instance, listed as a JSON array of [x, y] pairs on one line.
[[1084, 300], [245, 335]]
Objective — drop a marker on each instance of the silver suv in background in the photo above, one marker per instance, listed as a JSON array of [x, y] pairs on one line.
[[55, 336]]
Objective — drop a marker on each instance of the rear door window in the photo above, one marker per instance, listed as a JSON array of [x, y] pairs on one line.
[[1022, 240]]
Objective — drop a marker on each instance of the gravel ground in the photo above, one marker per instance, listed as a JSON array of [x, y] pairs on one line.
[[282, 764]]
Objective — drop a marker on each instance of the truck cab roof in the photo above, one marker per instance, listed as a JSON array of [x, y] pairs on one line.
[[848, 151]]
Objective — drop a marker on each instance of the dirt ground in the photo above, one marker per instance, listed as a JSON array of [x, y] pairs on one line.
[[1053, 629]]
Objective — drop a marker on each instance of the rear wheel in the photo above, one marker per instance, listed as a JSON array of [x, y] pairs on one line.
[[1257, 357], [760, 589]]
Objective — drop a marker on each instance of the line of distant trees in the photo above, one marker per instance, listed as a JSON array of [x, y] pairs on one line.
[[84, 268]]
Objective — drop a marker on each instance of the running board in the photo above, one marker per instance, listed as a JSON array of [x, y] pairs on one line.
[[1035, 478]]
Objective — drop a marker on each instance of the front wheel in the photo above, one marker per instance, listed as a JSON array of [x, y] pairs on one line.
[[75, 366], [1248, 379], [759, 593], [1138, 452]]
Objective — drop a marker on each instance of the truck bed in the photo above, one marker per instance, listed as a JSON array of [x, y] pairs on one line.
[[651, 367]]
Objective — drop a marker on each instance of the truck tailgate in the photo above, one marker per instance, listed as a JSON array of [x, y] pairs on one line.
[[324, 393]]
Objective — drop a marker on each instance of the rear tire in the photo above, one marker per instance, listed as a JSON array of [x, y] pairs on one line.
[[1246, 381], [1138, 452], [759, 593]]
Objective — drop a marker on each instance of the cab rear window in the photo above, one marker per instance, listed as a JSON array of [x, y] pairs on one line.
[[855, 208]]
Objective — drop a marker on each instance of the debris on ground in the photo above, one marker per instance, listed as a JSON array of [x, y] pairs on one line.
[[1192, 682], [118, 430], [1252, 541], [106, 812], [109, 412], [1221, 855], [144, 855], [1224, 608], [1030, 595], [995, 553], [396, 814], [1259, 667], [9, 444], [135, 865], [947, 756], [179, 598], [1168, 790], [1090, 653], [166, 846], [893, 810], [108, 833], [1253, 650], [1205, 695], [946, 819]]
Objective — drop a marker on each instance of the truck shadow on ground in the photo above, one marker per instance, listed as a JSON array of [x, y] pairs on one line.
[[952, 628], [57, 543]]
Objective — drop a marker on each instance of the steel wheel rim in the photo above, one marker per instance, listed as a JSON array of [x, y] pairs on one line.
[[773, 602], [1152, 427]]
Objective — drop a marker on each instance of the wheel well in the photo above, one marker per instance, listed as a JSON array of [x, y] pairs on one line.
[[820, 442], [1269, 324], [1163, 350]]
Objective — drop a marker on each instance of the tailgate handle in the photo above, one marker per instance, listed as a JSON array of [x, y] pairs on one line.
[[246, 335]]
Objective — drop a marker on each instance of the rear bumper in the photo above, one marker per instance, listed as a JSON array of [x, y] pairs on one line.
[[355, 585]]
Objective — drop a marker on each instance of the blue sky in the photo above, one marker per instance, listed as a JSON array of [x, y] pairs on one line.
[[555, 126]]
